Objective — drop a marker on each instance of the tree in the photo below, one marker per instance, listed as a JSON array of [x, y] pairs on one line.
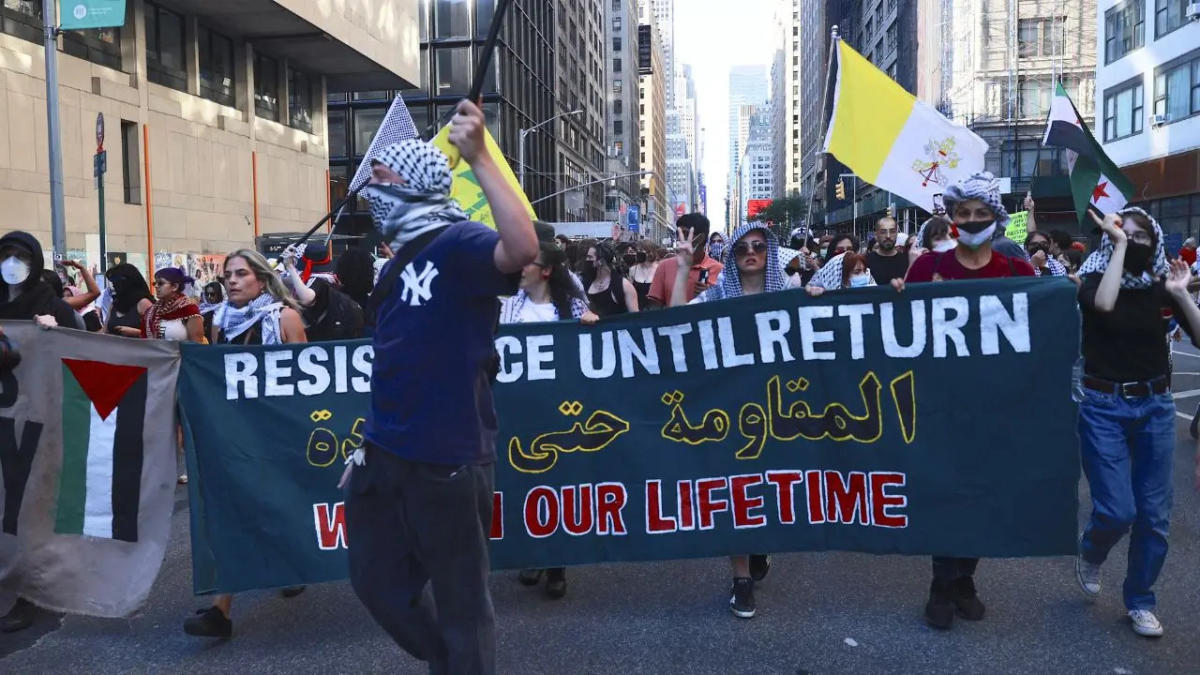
[[784, 213]]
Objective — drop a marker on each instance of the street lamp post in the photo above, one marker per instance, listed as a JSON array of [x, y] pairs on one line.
[[526, 132]]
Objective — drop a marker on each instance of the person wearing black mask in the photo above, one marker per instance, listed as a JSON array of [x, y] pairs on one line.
[[608, 291], [1038, 246], [1127, 416], [24, 293], [131, 299]]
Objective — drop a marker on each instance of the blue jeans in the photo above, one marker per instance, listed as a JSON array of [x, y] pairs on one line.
[[1128, 446]]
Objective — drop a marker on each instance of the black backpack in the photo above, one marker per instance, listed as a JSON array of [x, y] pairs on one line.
[[338, 318]]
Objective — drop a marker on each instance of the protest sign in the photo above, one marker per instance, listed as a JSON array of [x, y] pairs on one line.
[[88, 449], [862, 420], [1018, 227]]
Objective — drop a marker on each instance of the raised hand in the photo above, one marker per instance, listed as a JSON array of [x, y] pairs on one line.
[[1111, 225]]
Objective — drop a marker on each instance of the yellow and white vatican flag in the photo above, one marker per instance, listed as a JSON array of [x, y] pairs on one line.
[[890, 139]]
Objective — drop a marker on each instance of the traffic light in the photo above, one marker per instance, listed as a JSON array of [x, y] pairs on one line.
[[840, 189]]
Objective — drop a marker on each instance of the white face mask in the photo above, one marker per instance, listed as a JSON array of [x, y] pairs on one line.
[[945, 245], [14, 271], [979, 238], [860, 280]]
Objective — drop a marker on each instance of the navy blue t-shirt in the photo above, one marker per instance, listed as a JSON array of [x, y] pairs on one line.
[[431, 394]]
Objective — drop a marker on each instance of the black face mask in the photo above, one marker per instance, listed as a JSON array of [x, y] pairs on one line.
[[587, 268], [1137, 257], [641, 256], [975, 226], [631, 260], [1039, 246]]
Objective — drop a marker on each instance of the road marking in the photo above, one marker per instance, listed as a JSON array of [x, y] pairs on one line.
[[1186, 394], [1178, 373], [1194, 356], [1183, 415]]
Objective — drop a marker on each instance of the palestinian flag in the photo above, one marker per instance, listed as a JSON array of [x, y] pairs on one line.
[[103, 409], [1096, 182]]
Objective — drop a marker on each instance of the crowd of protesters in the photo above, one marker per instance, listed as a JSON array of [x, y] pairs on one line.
[[1128, 291]]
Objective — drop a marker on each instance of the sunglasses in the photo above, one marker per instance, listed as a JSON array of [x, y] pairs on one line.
[[744, 247]]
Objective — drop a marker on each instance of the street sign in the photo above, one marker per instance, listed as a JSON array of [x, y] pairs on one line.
[[99, 130], [100, 163], [84, 14], [634, 213]]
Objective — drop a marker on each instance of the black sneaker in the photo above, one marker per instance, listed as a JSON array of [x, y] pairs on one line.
[[18, 618], [530, 576], [556, 582], [210, 622], [741, 601], [939, 611], [966, 601], [760, 564], [291, 591]]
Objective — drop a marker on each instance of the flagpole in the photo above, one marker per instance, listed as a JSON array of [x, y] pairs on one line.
[[833, 40]]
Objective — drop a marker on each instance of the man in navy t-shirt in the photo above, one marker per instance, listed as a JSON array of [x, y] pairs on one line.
[[419, 503]]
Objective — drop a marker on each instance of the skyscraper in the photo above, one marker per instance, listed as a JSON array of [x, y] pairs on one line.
[[653, 140], [785, 99], [621, 87], [747, 86], [580, 86]]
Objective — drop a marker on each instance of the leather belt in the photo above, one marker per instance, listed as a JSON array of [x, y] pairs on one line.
[[1158, 385]]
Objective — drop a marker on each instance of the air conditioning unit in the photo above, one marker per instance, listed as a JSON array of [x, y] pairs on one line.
[[1193, 11], [1158, 120]]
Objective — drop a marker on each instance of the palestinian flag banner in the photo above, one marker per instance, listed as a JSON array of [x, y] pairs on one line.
[[88, 449], [103, 411], [1096, 182]]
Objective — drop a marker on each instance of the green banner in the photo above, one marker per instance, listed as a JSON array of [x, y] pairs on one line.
[[83, 14], [935, 421]]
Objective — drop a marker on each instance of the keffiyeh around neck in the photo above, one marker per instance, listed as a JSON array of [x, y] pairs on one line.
[[829, 276], [403, 212], [1097, 262], [730, 285], [263, 310]]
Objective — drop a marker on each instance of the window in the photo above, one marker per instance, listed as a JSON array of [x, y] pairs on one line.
[[1034, 98], [618, 127], [616, 44], [1124, 29], [366, 123], [618, 106], [486, 9], [422, 87], [1177, 88], [98, 45], [337, 133], [22, 18], [165, 61], [1027, 36], [1168, 16], [216, 66], [131, 175], [1123, 110], [266, 87], [616, 65], [892, 40], [617, 86], [300, 101], [453, 70], [452, 18]]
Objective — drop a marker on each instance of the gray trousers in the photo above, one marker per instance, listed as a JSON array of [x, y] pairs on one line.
[[410, 525]]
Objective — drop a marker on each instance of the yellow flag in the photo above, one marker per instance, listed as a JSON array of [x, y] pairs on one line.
[[466, 190]]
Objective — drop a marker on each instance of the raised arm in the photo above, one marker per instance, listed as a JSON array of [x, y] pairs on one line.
[[518, 245], [89, 282], [304, 295]]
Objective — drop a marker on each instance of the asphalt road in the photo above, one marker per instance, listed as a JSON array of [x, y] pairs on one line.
[[818, 613]]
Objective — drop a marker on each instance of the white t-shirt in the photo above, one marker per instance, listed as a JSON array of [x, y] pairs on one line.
[[531, 312]]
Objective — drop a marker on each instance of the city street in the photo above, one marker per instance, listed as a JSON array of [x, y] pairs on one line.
[[817, 613]]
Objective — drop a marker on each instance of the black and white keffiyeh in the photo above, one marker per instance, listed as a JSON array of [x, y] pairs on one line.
[[982, 186], [1098, 261], [263, 310], [830, 277], [403, 212], [730, 283]]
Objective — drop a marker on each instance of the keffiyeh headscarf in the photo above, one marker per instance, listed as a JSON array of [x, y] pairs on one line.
[[982, 186], [1097, 262], [829, 276], [730, 284], [263, 310], [403, 212]]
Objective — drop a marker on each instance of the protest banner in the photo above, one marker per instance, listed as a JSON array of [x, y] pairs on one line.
[[87, 448], [863, 420], [1018, 227]]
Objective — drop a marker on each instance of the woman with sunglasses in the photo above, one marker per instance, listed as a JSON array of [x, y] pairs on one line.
[[752, 266], [174, 316]]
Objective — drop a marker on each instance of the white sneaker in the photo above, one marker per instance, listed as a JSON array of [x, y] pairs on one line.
[[1145, 623], [1088, 576]]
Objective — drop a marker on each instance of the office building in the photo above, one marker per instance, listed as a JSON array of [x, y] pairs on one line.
[[747, 86], [216, 128], [622, 122], [756, 173], [580, 137], [785, 99], [1148, 98], [653, 133]]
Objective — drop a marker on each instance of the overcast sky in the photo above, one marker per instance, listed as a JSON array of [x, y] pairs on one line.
[[714, 35]]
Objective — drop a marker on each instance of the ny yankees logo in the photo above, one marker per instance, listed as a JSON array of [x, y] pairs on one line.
[[416, 286]]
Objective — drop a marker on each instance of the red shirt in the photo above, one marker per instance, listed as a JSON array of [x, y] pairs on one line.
[[946, 266], [663, 283]]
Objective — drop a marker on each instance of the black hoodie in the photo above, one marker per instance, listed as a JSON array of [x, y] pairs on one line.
[[36, 296]]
